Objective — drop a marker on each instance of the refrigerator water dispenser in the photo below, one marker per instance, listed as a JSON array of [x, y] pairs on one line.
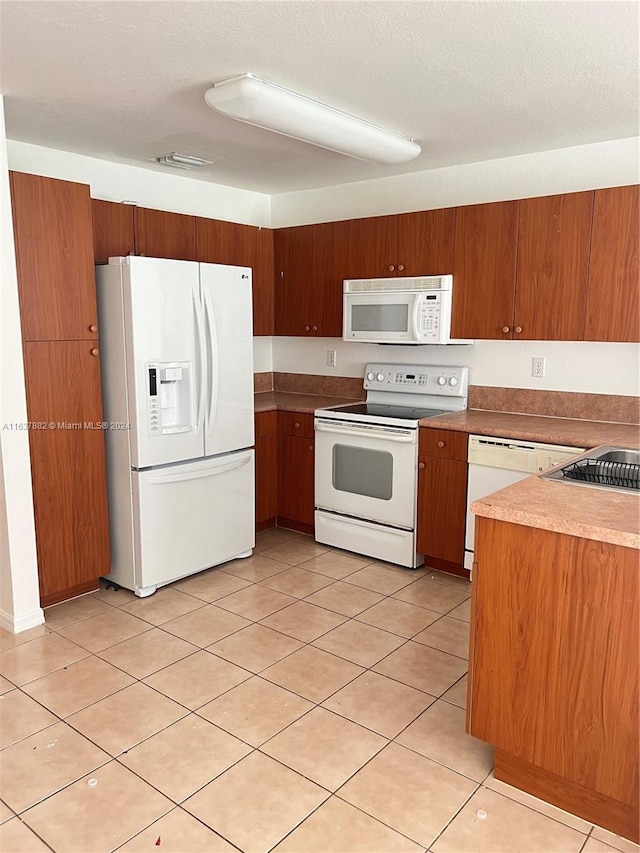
[[169, 398]]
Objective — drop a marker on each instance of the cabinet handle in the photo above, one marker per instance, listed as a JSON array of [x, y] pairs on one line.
[[441, 444], [95, 351], [306, 328], [506, 330], [391, 267], [311, 447], [93, 328], [421, 465], [297, 426], [517, 330], [281, 274], [314, 328], [400, 267]]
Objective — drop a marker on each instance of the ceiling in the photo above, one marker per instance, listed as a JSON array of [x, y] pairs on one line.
[[470, 81]]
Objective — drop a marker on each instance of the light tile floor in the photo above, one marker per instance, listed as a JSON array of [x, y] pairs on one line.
[[304, 700]]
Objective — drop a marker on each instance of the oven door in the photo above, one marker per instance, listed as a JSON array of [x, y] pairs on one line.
[[367, 471], [382, 317]]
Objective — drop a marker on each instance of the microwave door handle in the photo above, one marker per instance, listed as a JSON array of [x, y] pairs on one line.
[[416, 317]]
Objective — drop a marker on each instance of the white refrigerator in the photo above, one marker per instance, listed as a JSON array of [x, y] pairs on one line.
[[176, 342]]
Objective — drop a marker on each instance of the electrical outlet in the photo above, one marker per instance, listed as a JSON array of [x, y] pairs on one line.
[[537, 367], [331, 358]]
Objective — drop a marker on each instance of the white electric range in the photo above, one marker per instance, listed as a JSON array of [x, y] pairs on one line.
[[366, 459]]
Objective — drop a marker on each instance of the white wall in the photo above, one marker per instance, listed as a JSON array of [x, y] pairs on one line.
[[585, 167], [596, 368], [163, 190], [19, 596], [262, 355]]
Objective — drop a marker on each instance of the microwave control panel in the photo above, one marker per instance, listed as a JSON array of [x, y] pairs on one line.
[[430, 317]]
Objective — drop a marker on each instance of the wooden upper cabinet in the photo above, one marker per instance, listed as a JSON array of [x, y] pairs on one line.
[[373, 247], [425, 242], [113, 231], [296, 302], [553, 259], [54, 258], [254, 248], [484, 270], [215, 241], [160, 234], [613, 297], [330, 248], [67, 465]]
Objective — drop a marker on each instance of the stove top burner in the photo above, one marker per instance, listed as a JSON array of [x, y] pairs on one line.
[[380, 410]]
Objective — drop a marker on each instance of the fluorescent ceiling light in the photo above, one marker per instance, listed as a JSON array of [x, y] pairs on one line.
[[182, 161], [249, 99]]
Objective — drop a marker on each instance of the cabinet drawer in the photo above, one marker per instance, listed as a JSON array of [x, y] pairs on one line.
[[444, 443], [295, 423]]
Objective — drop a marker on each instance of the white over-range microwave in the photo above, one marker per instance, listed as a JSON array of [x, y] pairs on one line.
[[399, 310]]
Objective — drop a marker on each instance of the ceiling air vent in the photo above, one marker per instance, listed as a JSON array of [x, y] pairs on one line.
[[182, 161]]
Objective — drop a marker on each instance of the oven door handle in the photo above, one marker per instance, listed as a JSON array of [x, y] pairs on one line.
[[388, 434]]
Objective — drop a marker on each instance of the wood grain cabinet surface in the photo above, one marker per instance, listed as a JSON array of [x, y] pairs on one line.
[[113, 230], [266, 426], [553, 680], [310, 265], [613, 298], [442, 497], [553, 260], [67, 466], [296, 464], [54, 258], [161, 234]]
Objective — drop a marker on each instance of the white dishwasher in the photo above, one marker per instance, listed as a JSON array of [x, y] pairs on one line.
[[495, 463]]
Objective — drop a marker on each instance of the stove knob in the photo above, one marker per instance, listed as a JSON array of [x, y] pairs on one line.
[[442, 380], [453, 381], [370, 376], [380, 377]]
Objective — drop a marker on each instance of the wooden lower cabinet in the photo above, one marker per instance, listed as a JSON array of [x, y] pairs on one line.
[[296, 460], [554, 669], [266, 426], [442, 498], [68, 466]]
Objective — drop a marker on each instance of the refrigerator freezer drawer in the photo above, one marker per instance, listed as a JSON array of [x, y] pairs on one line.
[[191, 516]]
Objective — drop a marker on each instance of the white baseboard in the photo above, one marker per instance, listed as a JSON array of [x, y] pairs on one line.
[[17, 624]]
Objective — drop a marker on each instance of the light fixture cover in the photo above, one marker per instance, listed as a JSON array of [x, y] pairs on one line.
[[182, 161], [252, 100]]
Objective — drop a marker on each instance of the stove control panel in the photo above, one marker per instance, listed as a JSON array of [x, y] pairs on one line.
[[441, 380]]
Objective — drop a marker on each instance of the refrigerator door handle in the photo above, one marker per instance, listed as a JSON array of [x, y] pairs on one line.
[[214, 364], [202, 356], [197, 475]]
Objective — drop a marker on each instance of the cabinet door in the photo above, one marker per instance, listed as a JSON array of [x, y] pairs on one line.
[[266, 424], [215, 241], [442, 506], [613, 298], [484, 270], [373, 247], [295, 493], [330, 247], [296, 302], [553, 259], [425, 242], [254, 248], [113, 234], [54, 258], [67, 466], [160, 234]]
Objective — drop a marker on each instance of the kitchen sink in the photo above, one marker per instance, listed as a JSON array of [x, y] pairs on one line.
[[614, 468]]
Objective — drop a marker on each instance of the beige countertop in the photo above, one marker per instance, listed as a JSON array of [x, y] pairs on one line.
[[600, 514], [287, 401], [574, 433]]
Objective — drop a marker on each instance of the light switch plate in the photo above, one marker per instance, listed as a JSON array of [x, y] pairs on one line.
[[331, 358]]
